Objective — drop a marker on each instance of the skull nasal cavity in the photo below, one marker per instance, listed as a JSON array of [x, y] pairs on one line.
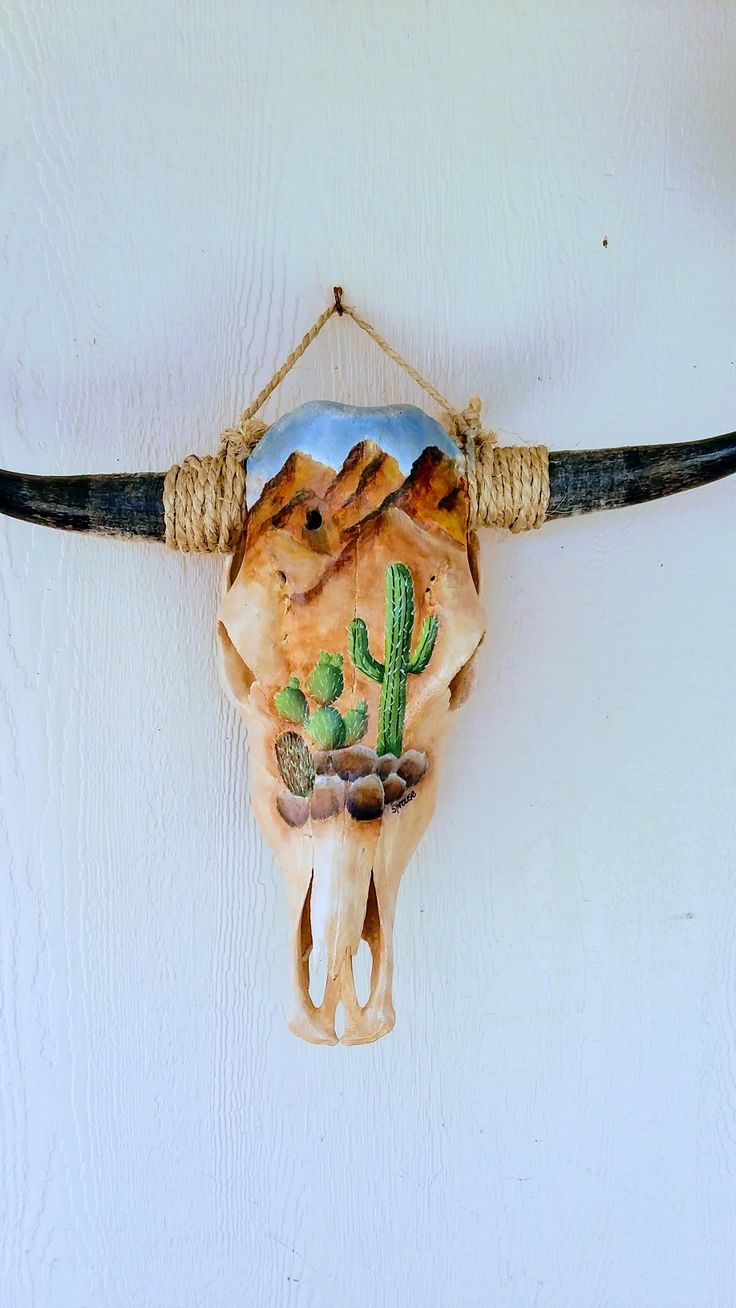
[[313, 520]]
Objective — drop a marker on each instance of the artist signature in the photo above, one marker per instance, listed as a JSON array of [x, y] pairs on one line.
[[405, 799]]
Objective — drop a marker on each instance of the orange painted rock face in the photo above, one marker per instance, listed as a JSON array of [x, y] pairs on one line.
[[346, 627]]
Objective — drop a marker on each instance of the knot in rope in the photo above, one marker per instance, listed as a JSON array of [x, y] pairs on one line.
[[508, 485], [204, 496]]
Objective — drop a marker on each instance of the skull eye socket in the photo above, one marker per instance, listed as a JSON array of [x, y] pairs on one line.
[[313, 520]]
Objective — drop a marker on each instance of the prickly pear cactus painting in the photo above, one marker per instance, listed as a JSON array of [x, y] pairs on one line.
[[347, 627]]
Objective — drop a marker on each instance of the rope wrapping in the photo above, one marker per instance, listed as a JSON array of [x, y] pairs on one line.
[[204, 496], [508, 485], [511, 488]]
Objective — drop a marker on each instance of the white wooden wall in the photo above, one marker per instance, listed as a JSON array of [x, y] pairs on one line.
[[552, 1124]]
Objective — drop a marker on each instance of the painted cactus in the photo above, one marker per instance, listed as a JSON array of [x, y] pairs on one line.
[[356, 722], [295, 763], [326, 682], [291, 702], [326, 726], [399, 661]]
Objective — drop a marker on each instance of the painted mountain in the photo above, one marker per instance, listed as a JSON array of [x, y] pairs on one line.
[[318, 544]]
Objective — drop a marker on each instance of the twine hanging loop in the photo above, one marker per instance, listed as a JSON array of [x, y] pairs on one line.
[[204, 496]]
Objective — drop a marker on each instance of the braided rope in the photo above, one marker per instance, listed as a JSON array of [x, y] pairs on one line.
[[399, 359], [204, 497], [508, 485], [289, 361]]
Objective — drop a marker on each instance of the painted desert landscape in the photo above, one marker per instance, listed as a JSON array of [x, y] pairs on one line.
[[342, 710]]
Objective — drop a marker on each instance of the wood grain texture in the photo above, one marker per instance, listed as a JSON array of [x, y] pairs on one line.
[[553, 1123]]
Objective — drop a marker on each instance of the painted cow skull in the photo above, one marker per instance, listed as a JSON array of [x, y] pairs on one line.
[[349, 617]]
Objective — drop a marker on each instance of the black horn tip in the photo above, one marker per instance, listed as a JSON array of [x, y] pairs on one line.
[[121, 504], [587, 480]]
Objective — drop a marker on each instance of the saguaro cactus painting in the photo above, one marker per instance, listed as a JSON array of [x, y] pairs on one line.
[[399, 662]]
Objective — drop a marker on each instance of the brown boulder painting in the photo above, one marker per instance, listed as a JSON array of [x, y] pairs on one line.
[[345, 628]]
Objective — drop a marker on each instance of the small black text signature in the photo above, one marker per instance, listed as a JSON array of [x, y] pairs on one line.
[[405, 799]]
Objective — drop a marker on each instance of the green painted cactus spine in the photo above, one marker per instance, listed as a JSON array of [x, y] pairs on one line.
[[398, 662]]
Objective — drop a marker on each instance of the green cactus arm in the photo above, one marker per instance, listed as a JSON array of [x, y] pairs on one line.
[[360, 652], [425, 645]]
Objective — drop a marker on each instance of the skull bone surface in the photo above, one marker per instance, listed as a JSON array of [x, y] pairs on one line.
[[346, 625]]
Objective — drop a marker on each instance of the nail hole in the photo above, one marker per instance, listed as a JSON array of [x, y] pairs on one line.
[[313, 519]]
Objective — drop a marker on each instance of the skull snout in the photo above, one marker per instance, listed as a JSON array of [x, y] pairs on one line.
[[340, 910]]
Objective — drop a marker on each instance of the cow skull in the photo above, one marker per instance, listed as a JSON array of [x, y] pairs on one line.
[[349, 618]]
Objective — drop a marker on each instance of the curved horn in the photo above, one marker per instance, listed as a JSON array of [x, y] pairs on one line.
[[120, 504], [586, 480], [131, 504]]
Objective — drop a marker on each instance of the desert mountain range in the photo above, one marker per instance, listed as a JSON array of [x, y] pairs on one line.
[[322, 508]]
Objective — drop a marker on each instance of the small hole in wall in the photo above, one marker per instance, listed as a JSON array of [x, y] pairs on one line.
[[362, 964], [281, 577], [313, 520]]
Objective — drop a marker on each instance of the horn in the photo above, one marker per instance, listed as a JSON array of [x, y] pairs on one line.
[[581, 481], [586, 480], [120, 504]]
